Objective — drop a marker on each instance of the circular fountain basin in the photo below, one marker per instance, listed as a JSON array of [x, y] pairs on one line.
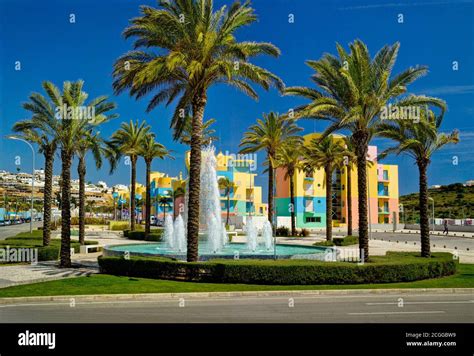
[[231, 251]]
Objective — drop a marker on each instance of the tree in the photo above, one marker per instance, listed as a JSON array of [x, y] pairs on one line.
[[228, 186], [128, 140], [40, 129], [289, 157], [207, 133], [88, 141], [192, 55], [269, 135], [150, 150], [327, 153], [74, 116], [420, 140], [355, 89]]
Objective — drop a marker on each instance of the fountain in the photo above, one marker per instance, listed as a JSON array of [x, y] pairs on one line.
[[267, 235], [214, 241]]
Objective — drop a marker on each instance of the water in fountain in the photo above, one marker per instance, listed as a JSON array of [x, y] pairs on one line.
[[168, 233], [225, 238], [179, 235], [210, 201], [252, 235], [267, 235]]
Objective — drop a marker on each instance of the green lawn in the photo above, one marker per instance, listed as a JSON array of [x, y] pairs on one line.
[[107, 284]]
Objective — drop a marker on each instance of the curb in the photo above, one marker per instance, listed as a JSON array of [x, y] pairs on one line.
[[197, 295]]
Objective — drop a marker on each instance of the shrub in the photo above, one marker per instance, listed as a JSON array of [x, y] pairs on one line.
[[339, 241], [155, 235], [304, 233], [346, 241], [118, 225], [395, 267], [282, 231]]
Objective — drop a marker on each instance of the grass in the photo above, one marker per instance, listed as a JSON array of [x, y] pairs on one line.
[[107, 284]]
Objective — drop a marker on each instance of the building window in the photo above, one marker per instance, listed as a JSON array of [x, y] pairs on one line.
[[385, 174], [313, 219]]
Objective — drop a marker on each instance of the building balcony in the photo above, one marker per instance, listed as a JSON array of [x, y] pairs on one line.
[[308, 192], [310, 179], [383, 211]]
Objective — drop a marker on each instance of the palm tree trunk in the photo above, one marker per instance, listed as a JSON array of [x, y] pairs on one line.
[[65, 260], [361, 140], [423, 201], [47, 195], [349, 200], [132, 193], [81, 171], [270, 191], [148, 198], [328, 172], [199, 104], [292, 201]]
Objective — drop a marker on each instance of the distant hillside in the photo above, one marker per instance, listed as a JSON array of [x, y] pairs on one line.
[[453, 201]]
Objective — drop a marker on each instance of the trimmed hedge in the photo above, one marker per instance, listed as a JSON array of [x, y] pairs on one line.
[[339, 241], [155, 235], [395, 267], [45, 253], [118, 225]]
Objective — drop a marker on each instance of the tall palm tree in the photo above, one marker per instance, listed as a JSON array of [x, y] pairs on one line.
[[420, 140], [354, 89], [289, 157], [207, 133], [128, 140], [269, 135], [192, 55], [150, 150], [87, 141], [41, 130], [72, 121], [329, 154], [228, 186]]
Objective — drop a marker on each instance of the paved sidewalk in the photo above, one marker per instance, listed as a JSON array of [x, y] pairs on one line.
[[43, 271]]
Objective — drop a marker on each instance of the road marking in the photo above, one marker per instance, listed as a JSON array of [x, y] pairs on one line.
[[446, 302], [390, 313]]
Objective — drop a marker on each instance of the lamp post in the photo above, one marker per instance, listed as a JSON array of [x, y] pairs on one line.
[[32, 176], [432, 209]]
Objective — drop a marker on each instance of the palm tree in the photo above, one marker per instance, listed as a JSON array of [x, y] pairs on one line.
[[329, 154], [269, 135], [420, 140], [128, 140], [289, 158], [192, 55], [207, 133], [41, 130], [354, 90], [164, 202], [228, 186], [150, 150], [88, 141], [72, 122]]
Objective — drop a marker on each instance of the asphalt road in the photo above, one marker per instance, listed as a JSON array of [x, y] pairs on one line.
[[12, 230], [351, 308]]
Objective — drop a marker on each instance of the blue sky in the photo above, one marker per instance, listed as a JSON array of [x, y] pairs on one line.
[[49, 47]]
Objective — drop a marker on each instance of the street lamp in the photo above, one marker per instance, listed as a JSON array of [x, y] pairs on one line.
[[432, 209], [32, 176], [114, 196]]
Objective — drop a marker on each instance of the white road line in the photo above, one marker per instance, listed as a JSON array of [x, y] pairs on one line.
[[441, 302], [394, 313]]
